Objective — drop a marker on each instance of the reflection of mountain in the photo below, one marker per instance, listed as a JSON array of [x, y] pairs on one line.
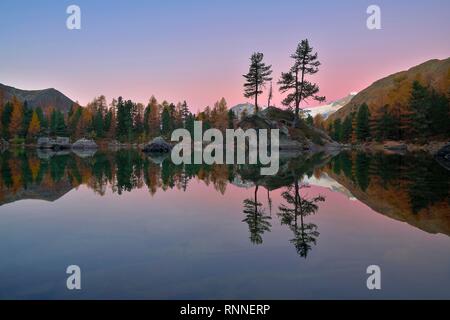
[[412, 190], [325, 181], [44, 192]]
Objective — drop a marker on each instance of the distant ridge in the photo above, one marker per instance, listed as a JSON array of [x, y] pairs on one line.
[[45, 98], [329, 109], [394, 90]]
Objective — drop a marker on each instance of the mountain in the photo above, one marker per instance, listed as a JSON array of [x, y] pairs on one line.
[[394, 90], [239, 109], [329, 109], [325, 110], [38, 98]]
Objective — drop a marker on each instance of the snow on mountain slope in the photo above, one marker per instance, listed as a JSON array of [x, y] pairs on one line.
[[328, 109]]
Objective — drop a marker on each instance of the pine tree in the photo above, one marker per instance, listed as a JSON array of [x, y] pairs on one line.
[[98, 124], [166, 122], [440, 116], [347, 129], [124, 130], [420, 106], [258, 74], [185, 113], [362, 123], [337, 130], [6, 119], [231, 119], [294, 81], [309, 120]]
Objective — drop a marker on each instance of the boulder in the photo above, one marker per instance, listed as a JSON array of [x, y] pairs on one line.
[[84, 144], [158, 145]]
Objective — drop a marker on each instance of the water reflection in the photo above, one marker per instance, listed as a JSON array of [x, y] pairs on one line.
[[414, 189], [293, 215], [256, 218]]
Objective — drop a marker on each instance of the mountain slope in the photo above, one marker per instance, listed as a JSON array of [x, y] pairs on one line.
[[329, 109], [394, 90], [38, 98]]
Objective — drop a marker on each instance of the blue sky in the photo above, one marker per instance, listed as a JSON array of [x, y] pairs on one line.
[[198, 50]]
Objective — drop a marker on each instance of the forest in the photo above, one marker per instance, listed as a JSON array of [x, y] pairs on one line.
[[425, 115]]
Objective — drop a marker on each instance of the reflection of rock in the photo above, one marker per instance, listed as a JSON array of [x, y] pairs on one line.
[[158, 145], [395, 146], [55, 144], [84, 153], [157, 157], [84, 144], [46, 154], [443, 157]]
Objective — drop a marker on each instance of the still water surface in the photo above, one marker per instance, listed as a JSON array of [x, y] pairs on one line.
[[141, 227]]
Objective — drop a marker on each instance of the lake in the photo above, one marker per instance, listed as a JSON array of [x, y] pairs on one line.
[[140, 227]]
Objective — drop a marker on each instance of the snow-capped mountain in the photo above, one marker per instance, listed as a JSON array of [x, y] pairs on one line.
[[242, 108], [329, 109]]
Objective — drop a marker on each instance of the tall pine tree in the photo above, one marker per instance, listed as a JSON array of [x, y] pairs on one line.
[[294, 81], [258, 74]]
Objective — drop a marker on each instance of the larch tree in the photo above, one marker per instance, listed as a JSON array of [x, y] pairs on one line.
[[256, 78], [16, 117], [294, 81], [35, 126]]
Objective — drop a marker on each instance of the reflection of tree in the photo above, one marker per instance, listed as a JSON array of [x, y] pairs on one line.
[[269, 201], [362, 165], [257, 220], [293, 213]]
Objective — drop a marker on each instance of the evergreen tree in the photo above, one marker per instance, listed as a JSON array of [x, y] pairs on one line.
[[27, 115], [362, 123], [98, 124], [337, 130], [347, 129], [420, 105], [185, 113], [166, 122], [6, 119], [124, 120], [440, 115], [294, 81], [258, 74], [231, 119], [42, 119], [386, 126], [309, 120]]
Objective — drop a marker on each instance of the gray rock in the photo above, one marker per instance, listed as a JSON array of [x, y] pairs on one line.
[[158, 145]]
